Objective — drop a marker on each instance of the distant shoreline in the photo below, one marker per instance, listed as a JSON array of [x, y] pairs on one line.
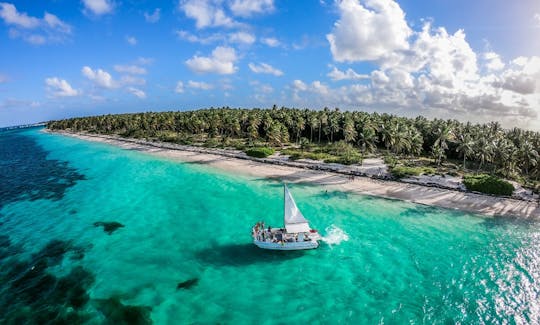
[[324, 175]]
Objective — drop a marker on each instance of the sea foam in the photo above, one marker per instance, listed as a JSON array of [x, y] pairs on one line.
[[335, 235]]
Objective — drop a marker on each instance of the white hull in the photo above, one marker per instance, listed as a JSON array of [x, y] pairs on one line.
[[287, 246]]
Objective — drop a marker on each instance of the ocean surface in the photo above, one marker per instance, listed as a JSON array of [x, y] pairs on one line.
[[90, 233]]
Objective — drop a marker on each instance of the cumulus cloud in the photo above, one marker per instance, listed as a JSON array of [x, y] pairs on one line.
[[199, 85], [179, 89], [271, 41], [493, 61], [206, 13], [129, 69], [247, 8], [48, 29], [221, 61], [428, 71], [368, 30], [60, 87], [131, 40], [99, 77], [265, 68], [349, 74], [242, 37], [98, 7], [153, 17], [522, 76], [137, 92]]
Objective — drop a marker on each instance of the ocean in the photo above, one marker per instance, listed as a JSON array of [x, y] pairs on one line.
[[90, 233]]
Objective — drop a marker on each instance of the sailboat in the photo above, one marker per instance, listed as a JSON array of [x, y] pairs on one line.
[[296, 235]]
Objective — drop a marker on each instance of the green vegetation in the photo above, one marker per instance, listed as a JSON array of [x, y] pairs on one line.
[[260, 152], [339, 152], [488, 184], [406, 171], [337, 136]]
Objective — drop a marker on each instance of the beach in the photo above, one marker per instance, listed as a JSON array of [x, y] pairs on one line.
[[235, 162]]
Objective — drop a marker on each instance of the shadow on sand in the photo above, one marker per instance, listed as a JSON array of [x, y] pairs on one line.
[[243, 254]]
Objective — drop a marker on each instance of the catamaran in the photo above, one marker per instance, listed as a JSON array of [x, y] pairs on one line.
[[296, 235]]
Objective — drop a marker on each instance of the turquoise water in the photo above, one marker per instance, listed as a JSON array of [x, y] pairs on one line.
[[383, 261]]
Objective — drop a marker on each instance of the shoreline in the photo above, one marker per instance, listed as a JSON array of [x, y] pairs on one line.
[[296, 172]]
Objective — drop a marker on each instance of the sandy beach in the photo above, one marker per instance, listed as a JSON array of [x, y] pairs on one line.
[[465, 201]]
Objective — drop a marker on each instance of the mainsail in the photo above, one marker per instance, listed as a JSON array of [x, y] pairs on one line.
[[294, 220]]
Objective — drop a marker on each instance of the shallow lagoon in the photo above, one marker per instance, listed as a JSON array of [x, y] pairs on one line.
[[402, 262]]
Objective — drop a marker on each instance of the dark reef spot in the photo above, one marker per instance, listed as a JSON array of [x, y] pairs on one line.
[[118, 313], [108, 227], [32, 295], [187, 284], [27, 174], [72, 211]]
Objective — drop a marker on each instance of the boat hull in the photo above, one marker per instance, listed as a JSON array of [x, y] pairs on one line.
[[287, 246]]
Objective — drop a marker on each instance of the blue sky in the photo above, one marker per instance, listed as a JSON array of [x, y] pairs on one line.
[[470, 60]]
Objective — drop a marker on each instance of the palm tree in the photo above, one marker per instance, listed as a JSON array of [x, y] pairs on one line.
[[443, 134], [528, 155], [313, 124], [349, 133], [465, 147]]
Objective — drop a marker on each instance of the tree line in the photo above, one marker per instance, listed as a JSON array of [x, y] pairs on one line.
[[488, 147]]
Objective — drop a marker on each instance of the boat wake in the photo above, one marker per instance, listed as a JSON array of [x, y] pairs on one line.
[[334, 235]]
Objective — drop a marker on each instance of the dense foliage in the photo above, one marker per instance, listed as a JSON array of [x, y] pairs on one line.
[[488, 147], [488, 184], [260, 152], [406, 171]]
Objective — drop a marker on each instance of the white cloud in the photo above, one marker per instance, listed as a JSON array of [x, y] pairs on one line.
[[60, 87], [493, 61], [246, 8], [271, 41], [33, 30], [221, 61], [153, 17], [206, 13], [132, 80], [199, 85], [137, 92], [55, 23], [349, 74], [99, 77], [369, 31], [522, 76], [131, 40], [179, 89], [11, 16], [144, 61], [299, 85], [98, 7], [242, 37], [537, 18], [185, 35], [265, 68], [129, 69]]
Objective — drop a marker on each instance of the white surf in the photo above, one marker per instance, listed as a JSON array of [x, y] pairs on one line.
[[334, 235]]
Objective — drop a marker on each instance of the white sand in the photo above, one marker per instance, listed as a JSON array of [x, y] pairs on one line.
[[483, 204]]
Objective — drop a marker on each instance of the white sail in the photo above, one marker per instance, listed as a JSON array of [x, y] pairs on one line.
[[294, 220]]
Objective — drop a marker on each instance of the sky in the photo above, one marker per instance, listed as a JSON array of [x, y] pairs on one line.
[[470, 60]]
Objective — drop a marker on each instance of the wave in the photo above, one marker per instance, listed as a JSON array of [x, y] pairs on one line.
[[334, 235]]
